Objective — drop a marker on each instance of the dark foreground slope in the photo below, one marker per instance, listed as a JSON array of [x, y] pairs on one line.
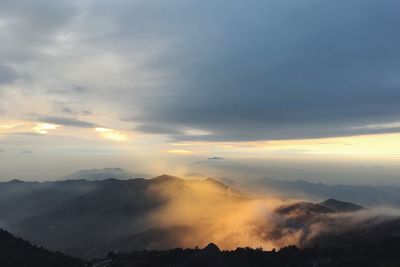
[[16, 252], [383, 254]]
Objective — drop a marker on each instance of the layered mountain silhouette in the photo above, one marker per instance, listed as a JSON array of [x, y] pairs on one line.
[[327, 206], [340, 206], [16, 252], [334, 223], [367, 196], [105, 173], [88, 219]]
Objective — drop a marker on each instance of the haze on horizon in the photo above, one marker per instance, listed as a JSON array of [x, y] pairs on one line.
[[280, 88]]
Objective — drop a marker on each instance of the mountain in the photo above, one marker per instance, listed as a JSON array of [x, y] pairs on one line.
[[334, 223], [367, 196], [303, 207], [106, 173], [15, 252], [90, 218], [340, 206]]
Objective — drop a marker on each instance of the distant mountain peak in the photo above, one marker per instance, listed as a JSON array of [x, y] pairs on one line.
[[16, 181], [307, 207], [340, 206], [103, 174]]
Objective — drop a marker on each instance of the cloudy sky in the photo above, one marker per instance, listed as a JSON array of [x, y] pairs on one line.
[[162, 86]]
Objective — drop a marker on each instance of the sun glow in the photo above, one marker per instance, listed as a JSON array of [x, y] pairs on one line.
[[110, 134], [44, 128], [366, 146], [179, 151]]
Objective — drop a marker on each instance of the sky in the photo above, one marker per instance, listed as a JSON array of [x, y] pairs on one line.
[[285, 88]]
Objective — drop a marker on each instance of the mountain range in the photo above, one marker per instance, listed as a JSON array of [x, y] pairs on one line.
[[105, 173], [367, 196], [90, 218]]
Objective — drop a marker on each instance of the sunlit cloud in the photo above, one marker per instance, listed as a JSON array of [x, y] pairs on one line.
[[111, 134], [194, 144], [8, 126], [179, 151], [44, 128], [382, 145]]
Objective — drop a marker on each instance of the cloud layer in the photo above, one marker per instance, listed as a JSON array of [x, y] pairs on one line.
[[248, 70]]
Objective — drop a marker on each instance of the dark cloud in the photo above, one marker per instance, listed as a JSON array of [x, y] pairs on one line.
[[7, 74], [65, 108], [281, 69], [75, 90], [242, 70], [67, 122], [31, 25], [158, 129]]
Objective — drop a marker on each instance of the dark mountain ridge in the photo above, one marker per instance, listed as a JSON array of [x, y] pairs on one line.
[[16, 252], [340, 206], [384, 253]]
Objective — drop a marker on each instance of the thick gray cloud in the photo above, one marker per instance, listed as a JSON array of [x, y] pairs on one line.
[[7, 74], [67, 122], [287, 69], [158, 129], [27, 27], [241, 70]]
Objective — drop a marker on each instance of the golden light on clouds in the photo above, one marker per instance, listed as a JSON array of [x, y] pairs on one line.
[[376, 145], [44, 128], [363, 145], [371, 146], [111, 134], [8, 126], [179, 151]]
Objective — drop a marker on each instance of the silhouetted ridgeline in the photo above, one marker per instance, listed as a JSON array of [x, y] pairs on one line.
[[385, 254], [15, 252], [367, 196]]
